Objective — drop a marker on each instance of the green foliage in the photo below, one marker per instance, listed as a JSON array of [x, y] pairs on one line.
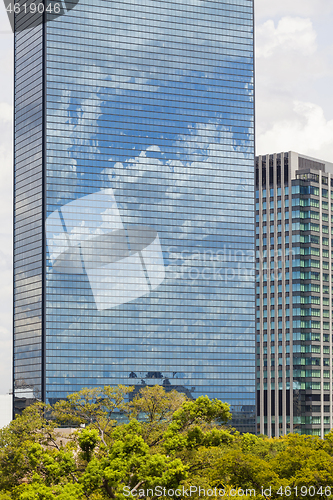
[[155, 404], [88, 440], [176, 444], [192, 419], [156, 408], [38, 491], [130, 464], [245, 470], [94, 407], [5, 495], [201, 411]]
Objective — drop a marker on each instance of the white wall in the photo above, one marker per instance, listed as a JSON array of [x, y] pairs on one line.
[[6, 402]]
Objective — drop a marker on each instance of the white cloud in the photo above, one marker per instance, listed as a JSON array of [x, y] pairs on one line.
[[5, 323], [287, 57], [313, 8], [294, 102], [6, 176], [306, 131], [6, 112], [291, 34]]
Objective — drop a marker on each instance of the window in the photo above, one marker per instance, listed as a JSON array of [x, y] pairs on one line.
[[314, 215], [313, 373], [313, 419], [310, 190]]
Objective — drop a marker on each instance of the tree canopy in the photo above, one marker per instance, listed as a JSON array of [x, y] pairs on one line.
[[160, 445]]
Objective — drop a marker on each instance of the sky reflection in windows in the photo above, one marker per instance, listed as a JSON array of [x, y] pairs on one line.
[[154, 101]]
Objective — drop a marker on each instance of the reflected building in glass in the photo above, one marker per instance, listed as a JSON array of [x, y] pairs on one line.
[[134, 218]]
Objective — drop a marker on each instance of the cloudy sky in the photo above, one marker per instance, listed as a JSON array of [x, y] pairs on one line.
[[294, 110]]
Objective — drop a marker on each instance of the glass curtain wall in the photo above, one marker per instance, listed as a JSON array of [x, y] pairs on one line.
[[149, 198], [28, 217]]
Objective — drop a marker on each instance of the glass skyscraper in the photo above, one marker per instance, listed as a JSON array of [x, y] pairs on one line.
[[134, 217]]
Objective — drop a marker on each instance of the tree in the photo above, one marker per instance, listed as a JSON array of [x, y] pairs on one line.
[[102, 460], [194, 424], [178, 443], [304, 463], [128, 466], [155, 408], [244, 470], [156, 405], [95, 407], [30, 429]]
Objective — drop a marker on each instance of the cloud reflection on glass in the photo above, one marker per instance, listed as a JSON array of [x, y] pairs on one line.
[[87, 236]]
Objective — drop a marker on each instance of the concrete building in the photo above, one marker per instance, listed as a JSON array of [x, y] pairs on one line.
[[294, 224]]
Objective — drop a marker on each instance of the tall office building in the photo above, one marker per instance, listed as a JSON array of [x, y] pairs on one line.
[[134, 218], [294, 210]]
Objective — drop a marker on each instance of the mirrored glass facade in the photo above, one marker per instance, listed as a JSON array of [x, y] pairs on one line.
[[28, 216], [146, 229]]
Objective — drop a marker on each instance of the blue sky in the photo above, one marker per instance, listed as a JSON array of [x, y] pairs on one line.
[[294, 110]]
